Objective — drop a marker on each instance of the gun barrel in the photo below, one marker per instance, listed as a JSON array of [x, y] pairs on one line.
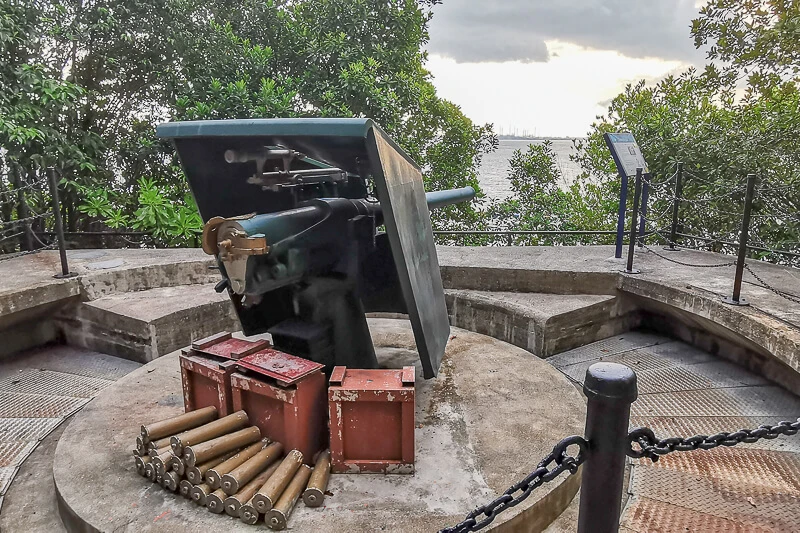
[[437, 199]]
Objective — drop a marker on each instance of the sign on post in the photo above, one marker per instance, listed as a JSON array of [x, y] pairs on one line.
[[626, 153], [628, 157]]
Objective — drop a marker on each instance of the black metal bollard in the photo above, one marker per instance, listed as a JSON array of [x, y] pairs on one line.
[[676, 204], [735, 298], [643, 209], [637, 194], [611, 389], [62, 249]]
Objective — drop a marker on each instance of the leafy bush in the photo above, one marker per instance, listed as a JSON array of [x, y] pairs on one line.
[[170, 223]]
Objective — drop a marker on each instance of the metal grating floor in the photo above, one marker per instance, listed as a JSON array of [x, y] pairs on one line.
[[684, 391], [39, 390]]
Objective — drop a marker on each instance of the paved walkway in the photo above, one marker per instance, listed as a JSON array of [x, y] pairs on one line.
[[683, 392]]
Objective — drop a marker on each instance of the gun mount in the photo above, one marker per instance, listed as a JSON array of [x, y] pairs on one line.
[[294, 211]]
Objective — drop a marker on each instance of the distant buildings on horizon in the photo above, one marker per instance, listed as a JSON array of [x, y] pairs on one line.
[[524, 134], [503, 137]]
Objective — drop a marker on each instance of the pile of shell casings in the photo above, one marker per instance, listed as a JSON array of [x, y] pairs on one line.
[[225, 465]]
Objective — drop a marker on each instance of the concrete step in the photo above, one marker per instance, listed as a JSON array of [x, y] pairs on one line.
[[144, 325], [543, 324]]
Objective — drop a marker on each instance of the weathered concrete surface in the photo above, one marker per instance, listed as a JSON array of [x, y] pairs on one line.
[[490, 401], [30, 504], [146, 324], [36, 308], [40, 388], [28, 281], [765, 337], [768, 330], [543, 324]]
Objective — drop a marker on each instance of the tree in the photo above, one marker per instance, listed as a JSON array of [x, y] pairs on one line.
[[351, 58], [760, 35], [542, 200], [696, 118], [138, 63]]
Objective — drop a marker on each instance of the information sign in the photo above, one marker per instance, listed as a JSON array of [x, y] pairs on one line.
[[627, 154]]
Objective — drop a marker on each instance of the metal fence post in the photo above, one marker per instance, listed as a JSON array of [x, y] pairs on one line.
[[62, 249], [610, 389], [623, 201], [676, 203], [735, 298], [643, 209], [637, 193]]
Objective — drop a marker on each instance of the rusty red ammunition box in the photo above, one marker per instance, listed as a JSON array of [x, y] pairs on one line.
[[206, 369], [372, 420], [206, 382], [285, 397], [225, 346]]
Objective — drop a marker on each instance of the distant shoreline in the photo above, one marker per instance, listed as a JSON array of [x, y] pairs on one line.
[[521, 138]]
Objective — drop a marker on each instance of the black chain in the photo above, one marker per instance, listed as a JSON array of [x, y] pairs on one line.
[[786, 295], [694, 265], [650, 446], [541, 475]]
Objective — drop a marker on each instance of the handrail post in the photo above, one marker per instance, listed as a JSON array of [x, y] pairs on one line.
[[623, 201], [62, 249], [610, 389], [637, 193], [735, 298], [676, 203], [643, 210]]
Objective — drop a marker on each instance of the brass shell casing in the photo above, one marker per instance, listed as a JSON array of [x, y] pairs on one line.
[[268, 495], [172, 426], [215, 447], [278, 516], [209, 431], [237, 478], [314, 494]]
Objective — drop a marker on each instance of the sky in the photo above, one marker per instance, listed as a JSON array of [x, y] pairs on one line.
[[552, 66]]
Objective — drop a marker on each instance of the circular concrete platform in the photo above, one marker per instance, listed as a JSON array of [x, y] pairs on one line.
[[483, 424]]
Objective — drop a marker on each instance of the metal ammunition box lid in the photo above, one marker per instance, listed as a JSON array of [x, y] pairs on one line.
[[223, 345], [285, 368], [381, 379]]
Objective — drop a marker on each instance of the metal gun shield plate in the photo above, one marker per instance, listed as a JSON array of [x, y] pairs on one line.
[[401, 192], [223, 187]]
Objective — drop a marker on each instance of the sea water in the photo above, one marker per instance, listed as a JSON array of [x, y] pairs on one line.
[[493, 172]]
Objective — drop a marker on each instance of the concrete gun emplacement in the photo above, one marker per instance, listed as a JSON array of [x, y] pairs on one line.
[[314, 223]]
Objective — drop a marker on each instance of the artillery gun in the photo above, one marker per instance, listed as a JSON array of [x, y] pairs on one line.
[[314, 223]]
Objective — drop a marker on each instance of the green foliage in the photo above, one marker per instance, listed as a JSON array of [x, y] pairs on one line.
[[84, 82], [170, 223], [343, 58], [542, 200], [694, 118], [702, 118], [762, 36]]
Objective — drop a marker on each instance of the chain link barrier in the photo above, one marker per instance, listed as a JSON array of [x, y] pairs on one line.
[[682, 263], [544, 473], [651, 447], [642, 442], [782, 294]]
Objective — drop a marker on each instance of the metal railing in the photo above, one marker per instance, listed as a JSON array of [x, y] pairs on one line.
[[29, 204], [641, 227], [611, 389]]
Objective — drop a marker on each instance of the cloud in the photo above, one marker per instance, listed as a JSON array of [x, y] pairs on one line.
[[469, 31]]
